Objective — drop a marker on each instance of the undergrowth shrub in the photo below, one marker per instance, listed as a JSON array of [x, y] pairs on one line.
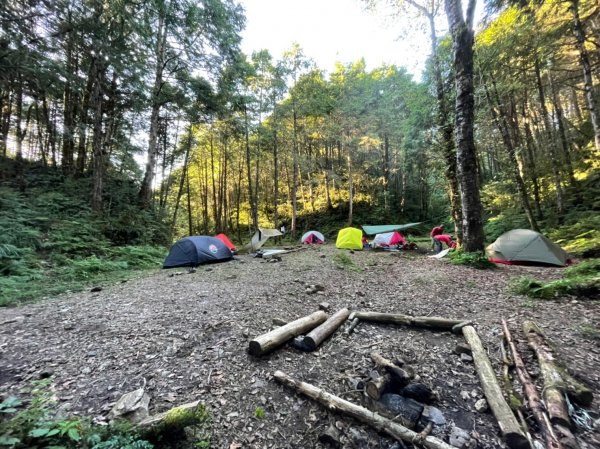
[[343, 261], [582, 280], [475, 259]]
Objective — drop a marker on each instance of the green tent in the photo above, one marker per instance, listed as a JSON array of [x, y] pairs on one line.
[[382, 229], [526, 246], [349, 238]]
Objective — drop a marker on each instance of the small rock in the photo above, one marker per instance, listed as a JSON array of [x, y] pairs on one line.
[[279, 322], [358, 437], [96, 289], [459, 437], [45, 374], [481, 405], [331, 437], [324, 306], [434, 415], [466, 358], [463, 348], [245, 333], [91, 354], [360, 293], [397, 445], [86, 370], [465, 395], [322, 256]]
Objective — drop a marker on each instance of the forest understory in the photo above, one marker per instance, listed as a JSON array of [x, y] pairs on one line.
[[185, 336]]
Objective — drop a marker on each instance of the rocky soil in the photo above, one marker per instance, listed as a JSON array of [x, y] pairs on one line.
[[186, 337]]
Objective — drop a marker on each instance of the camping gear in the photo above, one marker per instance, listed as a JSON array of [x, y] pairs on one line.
[[227, 242], [196, 250], [388, 239], [260, 237], [381, 229], [312, 238], [349, 238], [523, 246], [441, 254]]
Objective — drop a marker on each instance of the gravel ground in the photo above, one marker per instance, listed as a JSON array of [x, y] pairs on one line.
[[186, 336]]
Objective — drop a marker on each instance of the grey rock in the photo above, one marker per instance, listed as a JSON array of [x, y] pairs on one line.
[[434, 415], [459, 437], [466, 358], [463, 348], [324, 306], [481, 406]]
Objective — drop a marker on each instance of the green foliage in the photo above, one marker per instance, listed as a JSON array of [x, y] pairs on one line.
[[343, 261], [475, 260], [259, 412], [34, 426], [580, 235], [581, 280]]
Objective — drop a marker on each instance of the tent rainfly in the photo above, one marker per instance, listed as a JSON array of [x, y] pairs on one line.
[[196, 250], [380, 229], [349, 238], [524, 246], [388, 239], [227, 242], [260, 237], [312, 238]]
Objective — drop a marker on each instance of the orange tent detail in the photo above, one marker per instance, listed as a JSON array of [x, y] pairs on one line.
[[227, 242]]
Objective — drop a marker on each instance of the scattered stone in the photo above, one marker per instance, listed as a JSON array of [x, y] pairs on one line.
[[132, 406], [434, 415], [314, 288], [299, 344], [465, 395], [359, 437], [418, 392], [279, 322], [466, 358], [45, 374], [246, 333], [481, 406], [193, 270], [459, 437], [96, 289], [397, 445], [463, 348], [324, 306], [331, 437]]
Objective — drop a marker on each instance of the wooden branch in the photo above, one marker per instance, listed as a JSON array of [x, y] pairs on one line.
[[376, 387], [430, 322], [173, 417], [378, 422], [319, 334], [269, 341], [399, 375], [351, 326], [553, 382], [509, 426], [535, 402]]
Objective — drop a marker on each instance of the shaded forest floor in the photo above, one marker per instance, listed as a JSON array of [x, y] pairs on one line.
[[187, 336]]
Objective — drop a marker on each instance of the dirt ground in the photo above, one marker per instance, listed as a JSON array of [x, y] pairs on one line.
[[187, 336]]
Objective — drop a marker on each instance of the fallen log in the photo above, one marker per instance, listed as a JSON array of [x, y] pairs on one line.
[[399, 376], [553, 382], [269, 341], [509, 426], [319, 334], [178, 417], [375, 420], [429, 322], [376, 387], [535, 402]]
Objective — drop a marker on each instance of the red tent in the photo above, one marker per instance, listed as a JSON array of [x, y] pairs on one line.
[[227, 242], [388, 239]]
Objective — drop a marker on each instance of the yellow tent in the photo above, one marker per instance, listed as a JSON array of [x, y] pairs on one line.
[[349, 238]]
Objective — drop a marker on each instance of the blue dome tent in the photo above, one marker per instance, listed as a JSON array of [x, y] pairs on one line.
[[196, 250]]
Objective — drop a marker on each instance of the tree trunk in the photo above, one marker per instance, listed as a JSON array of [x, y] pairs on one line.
[[294, 191], [566, 147], [466, 156], [588, 81], [502, 126], [184, 175], [161, 43], [70, 100], [5, 122], [531, 162], [97, 148], [560, 206], [511, 431], [83, 120], [275, 180], [350, 186]]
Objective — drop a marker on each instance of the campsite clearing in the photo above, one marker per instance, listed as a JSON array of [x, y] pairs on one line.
[[187, 336]]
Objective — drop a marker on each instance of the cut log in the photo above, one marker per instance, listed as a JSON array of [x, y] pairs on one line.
[[457, 328], [511, 431], [400, 376], [553, 382], [319, 334], [351, 326], [429, 322], [378, 422], [376, 387], [269, 341], [535, 402]]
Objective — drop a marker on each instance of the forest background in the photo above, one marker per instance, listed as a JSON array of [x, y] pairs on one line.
[[233, 142]]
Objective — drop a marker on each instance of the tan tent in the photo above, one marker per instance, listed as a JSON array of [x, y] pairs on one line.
[[522, 246], [260, 237]]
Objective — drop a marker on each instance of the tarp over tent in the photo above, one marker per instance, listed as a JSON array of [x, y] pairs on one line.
[[260, 237], [526, 246], [349, 238], [225, 240], [388, 239], [196, 250], [381, 229], [312, 238]]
